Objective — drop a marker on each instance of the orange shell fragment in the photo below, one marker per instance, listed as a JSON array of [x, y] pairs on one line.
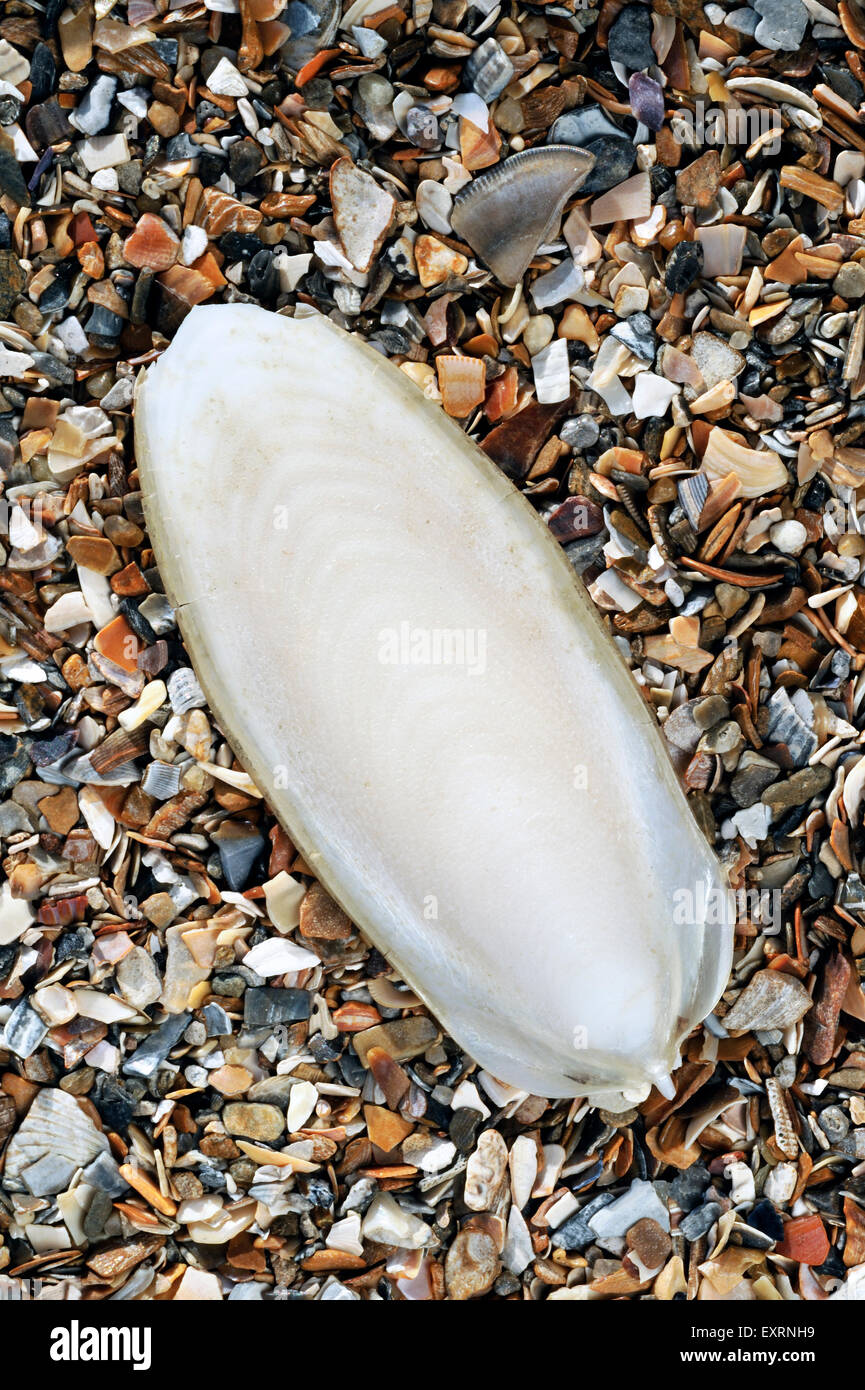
[[502, 397], [153, 244], [805, 1240], [119, 644], [462, 382]]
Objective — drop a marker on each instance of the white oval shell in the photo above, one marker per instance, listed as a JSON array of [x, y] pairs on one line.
[[406, 664]]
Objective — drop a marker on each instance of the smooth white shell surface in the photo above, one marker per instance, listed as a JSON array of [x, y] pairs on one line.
[[408, 667]]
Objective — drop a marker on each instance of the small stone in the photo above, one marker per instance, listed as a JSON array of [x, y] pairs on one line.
[[24, 1030], [94, 553], [47, 124], [216, 1021], [93, 112], [753, 775], [159, 909], [226, 81], [268, 1005], [42, 73], [700, 1221], [385, 1129], [637, 333], [697, 184], [182, 972], [782, 24], [641, 1200], [785, 1071], [649, 1241], [829, 996], [153, 244], [853, 1144], [363, 212], [402, 1039], [230, 1080], [138, 979], [781, 1183], [797, 789], [12, 275], [647, 100], [763, 1217], [75, 31], [321, 917], [251, 1121], [630, 38], [61, 810], [422, 127], [245, 161], [463, 1128], [49, 1175], [684, 265], [688, 1186], [614, 158], [152, 1052], [437, 262], [805, 1240], [164, 119], [471, 1266], [790, 537], [834, 1123], [580, 432], [239, 844], [103, 152], [575, 518], [850, 280], [434, 204]]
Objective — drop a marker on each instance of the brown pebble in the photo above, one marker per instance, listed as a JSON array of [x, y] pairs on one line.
[[320, 916], [94, 553], [252, 1121], [164, 119], [386, 1130], [472, 1266], [159, 909], [61, 810], [123, 532], [697, 184], [822, 1022], [648, 1240]]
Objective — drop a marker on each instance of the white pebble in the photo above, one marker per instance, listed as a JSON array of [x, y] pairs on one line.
[[434, 205], [537, 333], [226, 81], [194, 244], [788, 536]]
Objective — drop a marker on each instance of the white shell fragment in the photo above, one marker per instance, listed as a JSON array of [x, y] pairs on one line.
[[55, 1126], [405, 663], [759, 470], [362, 211]]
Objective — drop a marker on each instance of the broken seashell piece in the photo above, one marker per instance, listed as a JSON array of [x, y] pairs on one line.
[[513, 208]]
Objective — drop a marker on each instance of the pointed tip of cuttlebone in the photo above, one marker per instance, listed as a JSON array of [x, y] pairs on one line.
[[506, 213]]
